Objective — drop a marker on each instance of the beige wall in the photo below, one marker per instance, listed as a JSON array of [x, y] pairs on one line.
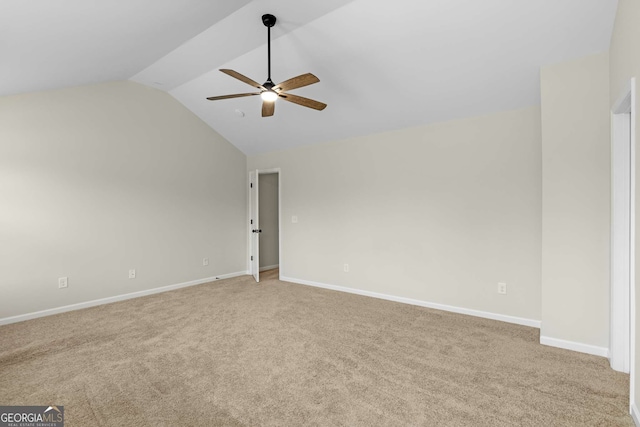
[[98, 179], [268, 204], [625, 64], [438, 213], [576, 201]]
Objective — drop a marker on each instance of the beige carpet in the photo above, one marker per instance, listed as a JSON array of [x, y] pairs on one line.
[[234, 353]]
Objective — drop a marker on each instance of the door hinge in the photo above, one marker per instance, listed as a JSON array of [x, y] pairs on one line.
[[251, 186], [251, 257], [251, 221]]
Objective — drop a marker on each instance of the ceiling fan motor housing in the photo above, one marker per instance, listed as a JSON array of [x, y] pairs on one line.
[[269, 84]]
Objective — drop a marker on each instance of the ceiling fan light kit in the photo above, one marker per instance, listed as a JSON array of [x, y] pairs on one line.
[[269, 95], [270, 92]]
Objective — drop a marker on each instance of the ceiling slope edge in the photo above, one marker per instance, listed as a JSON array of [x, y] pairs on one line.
[[231, 37]]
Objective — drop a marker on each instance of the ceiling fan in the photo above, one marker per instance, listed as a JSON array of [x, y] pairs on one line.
[[269, 91]]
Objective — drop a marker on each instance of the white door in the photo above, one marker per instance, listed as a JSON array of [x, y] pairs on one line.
[[254, 224], [620, 242], [622, 313]]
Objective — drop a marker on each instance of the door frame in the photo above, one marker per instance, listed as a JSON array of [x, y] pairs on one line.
[[622, 315], [259, 172]]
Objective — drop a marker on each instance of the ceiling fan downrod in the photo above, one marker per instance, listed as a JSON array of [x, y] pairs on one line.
[[269, 21]]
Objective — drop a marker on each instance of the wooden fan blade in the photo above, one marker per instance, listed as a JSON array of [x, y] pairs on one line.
[[243, 78], [296, 82], [305, 102], [268, 108], [237, 95]]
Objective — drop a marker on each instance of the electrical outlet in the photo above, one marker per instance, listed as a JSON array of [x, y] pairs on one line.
[[346, 268], [132, 273], [294, 219], [63, 282], [205, 261], [502, 288]]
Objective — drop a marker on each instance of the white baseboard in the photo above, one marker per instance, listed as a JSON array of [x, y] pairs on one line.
[[93, 303], [635, 414], [437, 306], [269, 267], [575, 346]]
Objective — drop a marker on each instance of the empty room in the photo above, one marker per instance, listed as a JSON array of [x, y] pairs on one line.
[[325, 213]]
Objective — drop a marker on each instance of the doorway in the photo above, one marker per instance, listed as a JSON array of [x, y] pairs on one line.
[[264, 222], [622, 314]]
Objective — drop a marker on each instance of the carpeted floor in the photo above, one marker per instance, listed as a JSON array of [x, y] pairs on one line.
[[236, 353]]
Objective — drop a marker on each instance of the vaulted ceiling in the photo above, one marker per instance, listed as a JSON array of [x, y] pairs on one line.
[[382, 65]]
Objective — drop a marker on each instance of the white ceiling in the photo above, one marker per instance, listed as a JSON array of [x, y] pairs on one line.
[[382, 65], [49, 44]]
